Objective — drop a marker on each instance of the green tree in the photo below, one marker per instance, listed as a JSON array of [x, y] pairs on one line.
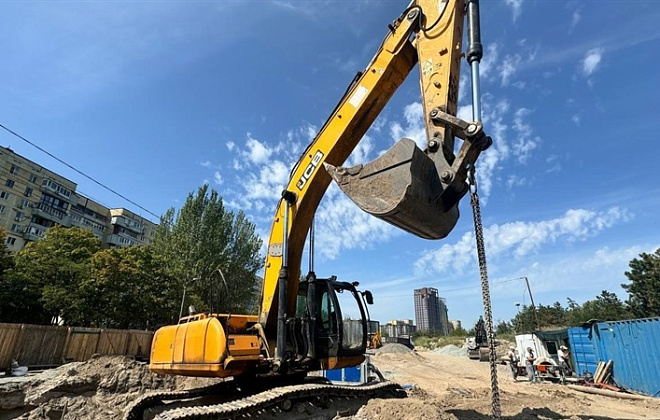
[[525, 320], [8, 288], [458, 332], [504, 328], [644, 286], [131, 288], [211, 250], [48, 273], [606, 307]]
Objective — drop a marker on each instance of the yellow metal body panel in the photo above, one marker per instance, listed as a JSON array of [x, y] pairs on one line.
[[439, 52], [200, 347], [244, 345]]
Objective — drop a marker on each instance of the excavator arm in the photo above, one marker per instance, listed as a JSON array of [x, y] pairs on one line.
[[413, 189]]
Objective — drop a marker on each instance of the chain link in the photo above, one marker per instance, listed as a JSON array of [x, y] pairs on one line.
[[485, 292]]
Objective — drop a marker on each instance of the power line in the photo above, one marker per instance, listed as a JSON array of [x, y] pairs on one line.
[[78, 171]]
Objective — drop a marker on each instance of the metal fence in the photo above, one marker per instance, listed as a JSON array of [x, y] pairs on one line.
[[40, 345]]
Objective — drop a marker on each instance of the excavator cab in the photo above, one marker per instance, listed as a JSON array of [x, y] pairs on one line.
[[335, 323]]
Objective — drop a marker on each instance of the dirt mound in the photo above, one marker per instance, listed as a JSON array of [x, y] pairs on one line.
[[451, 350], [393, 348], [409, 409], [99, 388]]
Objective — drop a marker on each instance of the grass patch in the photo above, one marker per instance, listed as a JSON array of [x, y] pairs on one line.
[[437, 342]]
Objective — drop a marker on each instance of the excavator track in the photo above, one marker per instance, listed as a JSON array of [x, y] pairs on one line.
[[281, 398], [153, 399]]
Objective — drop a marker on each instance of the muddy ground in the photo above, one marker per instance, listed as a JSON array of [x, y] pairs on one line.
[[441, 386]]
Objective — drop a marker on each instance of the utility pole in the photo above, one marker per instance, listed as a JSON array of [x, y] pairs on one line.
[[529, 289]]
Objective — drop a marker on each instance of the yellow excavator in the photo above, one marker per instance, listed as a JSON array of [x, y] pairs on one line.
[[302, 324]]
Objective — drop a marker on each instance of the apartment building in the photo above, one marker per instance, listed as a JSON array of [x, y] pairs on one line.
[[34, 199], [399, 328], [90, 215], [431, 311], [129, 229]]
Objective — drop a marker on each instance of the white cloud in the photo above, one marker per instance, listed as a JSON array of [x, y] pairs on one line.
[[414, 128], [257, 152], [515, 181], [268, 183], [590, 272], [576, 18], [205, 163], [520, 239], [487, 165], [591, 61], [230, 145], [341, 225], [508, 68], [525, 141], [465, 112], [217, 178], [554, 163], [361, 153], [516, 7], [488, 62]]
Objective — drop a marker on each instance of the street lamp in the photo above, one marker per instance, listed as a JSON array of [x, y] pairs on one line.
[[183, 298]]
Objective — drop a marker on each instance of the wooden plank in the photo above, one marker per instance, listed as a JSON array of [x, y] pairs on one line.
[[599, 369], [609, 393], [140, 344], [82, 343], [41, 345], [112, 342], [9, 334]]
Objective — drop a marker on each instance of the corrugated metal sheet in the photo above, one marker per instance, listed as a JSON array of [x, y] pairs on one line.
[[632, 345], [634, 348], [583, 351]]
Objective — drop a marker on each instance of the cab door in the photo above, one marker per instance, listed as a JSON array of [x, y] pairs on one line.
[[327, 325]]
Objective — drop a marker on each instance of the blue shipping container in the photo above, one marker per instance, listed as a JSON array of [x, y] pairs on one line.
[[632, 345]]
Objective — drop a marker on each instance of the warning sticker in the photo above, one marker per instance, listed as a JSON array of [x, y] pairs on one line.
[[427, 67], [358, 96]]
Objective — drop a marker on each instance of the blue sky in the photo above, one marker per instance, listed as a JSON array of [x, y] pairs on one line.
[[156, 98]]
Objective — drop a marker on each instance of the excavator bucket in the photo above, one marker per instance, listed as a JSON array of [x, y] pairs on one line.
[[401, 187]]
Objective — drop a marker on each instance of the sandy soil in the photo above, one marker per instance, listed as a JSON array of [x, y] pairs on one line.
[[440, 387], [449, 387], [99, 388]]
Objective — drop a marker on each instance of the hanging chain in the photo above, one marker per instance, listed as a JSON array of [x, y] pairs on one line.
[[485, 292]]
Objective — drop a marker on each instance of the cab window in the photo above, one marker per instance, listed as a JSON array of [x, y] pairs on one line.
[[328, 314], [351, 321]]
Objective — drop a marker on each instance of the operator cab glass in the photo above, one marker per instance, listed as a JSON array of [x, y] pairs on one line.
[[352, 320]]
